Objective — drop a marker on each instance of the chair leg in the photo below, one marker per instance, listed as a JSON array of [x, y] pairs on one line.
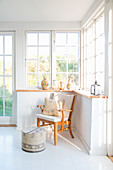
[[55, 133], [38, 122], [70, 130]]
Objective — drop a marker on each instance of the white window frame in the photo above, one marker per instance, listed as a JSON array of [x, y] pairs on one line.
[[84, 49], [52, 54], [38, 73], [9, 119]]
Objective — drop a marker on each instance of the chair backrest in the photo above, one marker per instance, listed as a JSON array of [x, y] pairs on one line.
[[72, 107], [69, 102]]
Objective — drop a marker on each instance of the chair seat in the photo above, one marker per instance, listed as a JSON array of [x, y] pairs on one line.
[[50, 118]]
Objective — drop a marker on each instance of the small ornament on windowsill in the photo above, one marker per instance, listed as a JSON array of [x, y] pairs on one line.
[[45, 84], [69, 85], [61, 85], [95, 89], [54, 86]]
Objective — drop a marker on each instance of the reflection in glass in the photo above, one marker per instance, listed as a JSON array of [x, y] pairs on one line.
[[32, 38], [8, 65], [32, 66], [8, 86], [44, 66], [60, 52], [44, 52], [32, 52], [1, 106], [8, 106], [61, 66], [60, 38], [44, 39], [8, 44], [1, 44], [1, 86], [32, 80], [1, 65]]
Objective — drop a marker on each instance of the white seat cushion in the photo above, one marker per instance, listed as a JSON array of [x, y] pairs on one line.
[[50, 118]]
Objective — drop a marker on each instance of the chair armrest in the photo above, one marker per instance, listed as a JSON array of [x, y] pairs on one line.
[[66, 110], [41, 107]]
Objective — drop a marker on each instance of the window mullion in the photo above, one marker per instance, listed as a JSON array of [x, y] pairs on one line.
[[3, 75], [37, 59]]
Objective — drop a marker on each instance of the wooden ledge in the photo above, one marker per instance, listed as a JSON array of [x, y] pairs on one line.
[[80, 92]]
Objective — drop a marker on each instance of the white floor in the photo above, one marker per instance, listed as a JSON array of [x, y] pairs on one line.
[[69, 154]]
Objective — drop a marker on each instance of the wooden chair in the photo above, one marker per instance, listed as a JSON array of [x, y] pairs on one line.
[[56, 121]]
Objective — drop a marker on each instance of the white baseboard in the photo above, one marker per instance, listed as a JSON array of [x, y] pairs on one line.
[[90, 151]]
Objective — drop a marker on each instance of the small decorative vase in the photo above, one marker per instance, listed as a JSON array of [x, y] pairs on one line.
[[61, 85], [45, 84], [54, 86], [69, 85]]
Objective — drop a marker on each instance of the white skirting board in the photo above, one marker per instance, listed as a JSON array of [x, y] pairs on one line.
[[92, 152]]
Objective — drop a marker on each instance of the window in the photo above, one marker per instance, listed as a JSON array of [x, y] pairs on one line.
[[62, 57], [94, 53], [6, 73], [38, 58], [67, 57]]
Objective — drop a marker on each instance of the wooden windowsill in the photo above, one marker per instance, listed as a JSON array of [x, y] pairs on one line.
[[80, 92]]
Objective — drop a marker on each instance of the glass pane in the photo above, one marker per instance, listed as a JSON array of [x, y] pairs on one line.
[[60, 52], [8, 65], [73, 66], [90, 49], [89, 80], [1, 106], [90, 32], [41, 77], [60, 38], [1, 44], [100, 26], [61, 66], [100, 45], [32, 80], [100, 63], [74, 79], [90, 65], [32, 38], [8, 86], [32, 52], [44, 66], [73, 52], [100, 79], [1, 65], [32, 66], [8, 44], [73, 39], [1, 86], [44, 52], [61, 77], [8, 106], [44, 38]]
